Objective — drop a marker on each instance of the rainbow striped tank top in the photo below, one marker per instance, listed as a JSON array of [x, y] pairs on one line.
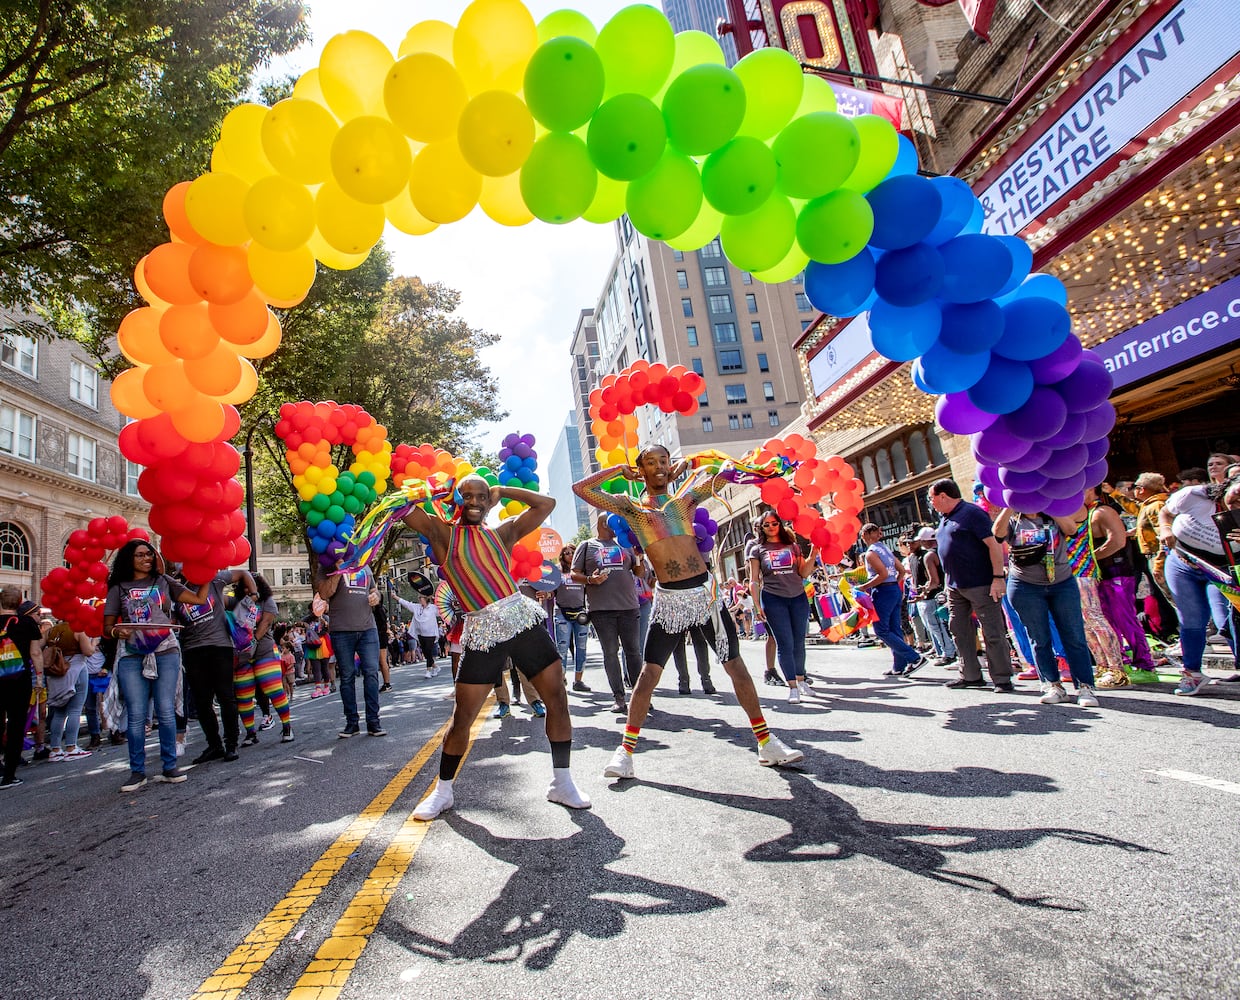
[[476, 567], [1081, 553]]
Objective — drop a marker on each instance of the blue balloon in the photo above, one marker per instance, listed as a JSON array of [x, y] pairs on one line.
[[971, 327], [906, 210], [513, 462], [318, 543], [841, 289], [1045, 286], [976, 267], [919, 379], [1005, 386], [977, 218], [959, 203], [1032, 329], [909, 276], [949, 371], [906, 157], [325, 528], [1022, 261], [903, 334]]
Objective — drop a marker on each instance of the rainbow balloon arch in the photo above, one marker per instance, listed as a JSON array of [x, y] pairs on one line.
[[555, 121]]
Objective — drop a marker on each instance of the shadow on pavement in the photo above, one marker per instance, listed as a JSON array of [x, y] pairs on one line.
[[1023, 718]]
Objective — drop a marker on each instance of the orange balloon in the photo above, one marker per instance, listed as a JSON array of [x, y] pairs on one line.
[[177, 221], [139, 282], [243, 322], [167, 273], [166, 386], [245, 388], [201, 420], [307, 451], [138, 337], [220, 274], [128, 395], [187, 333], [265, 344], [216, 374]]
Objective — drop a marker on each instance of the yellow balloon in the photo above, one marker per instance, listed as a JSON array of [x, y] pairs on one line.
[[281, 276], [215, 205], [308, 492], [608, 203], [371, 159], [245, 388], [496, 133], [346, 223], [351, 72], [702, 230], [279, 213], [129, 397], [241, 142], [428, 36], [297, 138], [501, 200], [786, 269], [265, 345], [329, 256], [308, 88], [424, 95], [493, 42], [401, 214], [443, 186]]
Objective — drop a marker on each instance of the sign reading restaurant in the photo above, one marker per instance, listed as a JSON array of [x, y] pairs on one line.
[[1182, 50]]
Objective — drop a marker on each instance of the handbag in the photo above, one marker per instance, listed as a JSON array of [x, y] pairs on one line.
[[580, 616], [54, 662]]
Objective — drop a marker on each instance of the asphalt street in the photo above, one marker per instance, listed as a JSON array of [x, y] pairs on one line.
[[933, 842]]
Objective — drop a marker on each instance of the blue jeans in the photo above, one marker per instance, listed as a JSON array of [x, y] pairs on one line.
[[137, 692], [365, 645], [64, 723], [1196, 602], [1057, 605], [580, 633], [888, 604], [1021, 634], [788, 619], [940, 635]]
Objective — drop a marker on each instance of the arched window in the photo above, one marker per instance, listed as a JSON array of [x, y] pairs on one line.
[[867, 473], [936, 449], [917, 450], [14, 548], [899, 463], [884, 467]]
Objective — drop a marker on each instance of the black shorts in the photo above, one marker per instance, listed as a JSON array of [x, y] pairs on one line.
[[660, 644], [531, 651]]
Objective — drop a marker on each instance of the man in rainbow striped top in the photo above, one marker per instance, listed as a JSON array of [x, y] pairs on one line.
[[686, 598], [500, 624]]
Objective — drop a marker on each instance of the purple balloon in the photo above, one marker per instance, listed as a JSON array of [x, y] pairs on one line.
[[1005, 387], [1064, 507], [1098, 422], [988, 475], [1087, 386], [505, 452], [1026, 503], [1033, 459], [521, 450], [1022, 482], [1072, 432], [1043, 416], [527, 439], [994, 497], [1062, 489], [1066, 462], [1059, 364], [1098, 450], [998, 446], [955, 413], [1095, 473]]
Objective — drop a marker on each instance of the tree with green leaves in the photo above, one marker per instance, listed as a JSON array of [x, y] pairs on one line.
[[104, 105]]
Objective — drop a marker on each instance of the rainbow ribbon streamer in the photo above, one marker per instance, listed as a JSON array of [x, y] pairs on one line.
[[369, 532], [1217, 576]]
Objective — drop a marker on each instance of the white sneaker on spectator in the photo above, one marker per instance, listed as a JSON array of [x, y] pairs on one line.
[[1053, 694], [1085, 697]]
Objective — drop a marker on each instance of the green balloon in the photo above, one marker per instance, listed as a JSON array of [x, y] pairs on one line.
[[608, 203], [303, 507], [835, 227], [558, 180], [775, 84], [762, 238], [703, 108], [564, 83], [739, 178], [817, 95], [816, 153], [314, 517], [879, 146], [787, 269], [337, 499], [704, 229], [666, 201], [352, 505], [320, 502], [335, 514], [626, 137], [637, 47], [367, 477], [693, 48], [561, 23], [345, 482]]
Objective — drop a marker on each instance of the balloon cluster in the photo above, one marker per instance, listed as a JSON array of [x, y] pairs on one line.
[[331, 500], [992, 340], [620, 528], [527, 559], [705, 528], [519, 462], [614, 402], [75, 592], [816, 481]]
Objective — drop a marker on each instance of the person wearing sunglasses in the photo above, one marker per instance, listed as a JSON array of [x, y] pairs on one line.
[[777, 572]]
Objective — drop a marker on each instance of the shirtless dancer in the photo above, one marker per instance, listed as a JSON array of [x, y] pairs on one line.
[[685, 598], [499, 623]]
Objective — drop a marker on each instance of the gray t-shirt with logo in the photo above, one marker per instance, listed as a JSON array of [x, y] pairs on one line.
[[617, 592], [205, 624], [1034, 544], [779, 567], [349, 606]]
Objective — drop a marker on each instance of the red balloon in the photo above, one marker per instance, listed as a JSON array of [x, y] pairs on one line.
[[787, 508], [132, 448], [79, 538], [141, 533], [225, 461], [118, 524], [210, 496], [215, 528], [242, 547], [182, 519], [176, 482], [157, 435], [236, 523], [234, 495], [197, 573]]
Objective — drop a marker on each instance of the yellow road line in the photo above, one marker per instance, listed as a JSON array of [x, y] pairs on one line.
[[236, 971], [336, 958]]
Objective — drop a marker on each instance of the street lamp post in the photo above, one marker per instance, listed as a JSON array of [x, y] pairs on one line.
[[251, 532]]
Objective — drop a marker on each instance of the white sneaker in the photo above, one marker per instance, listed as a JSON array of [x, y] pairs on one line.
[[429, 673], [562, 790], [440, 798], [620, 765], [804, 689], [1053, 695], [1085, 697], [794, 696], [773, 752]]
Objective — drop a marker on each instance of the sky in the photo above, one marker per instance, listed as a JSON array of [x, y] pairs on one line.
[[526, 284]]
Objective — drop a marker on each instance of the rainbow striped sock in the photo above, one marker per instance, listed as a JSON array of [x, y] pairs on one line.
[[629, 742], [759, 730]]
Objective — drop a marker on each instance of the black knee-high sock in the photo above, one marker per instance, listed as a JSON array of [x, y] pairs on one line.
[[560, 751], [449, 763]]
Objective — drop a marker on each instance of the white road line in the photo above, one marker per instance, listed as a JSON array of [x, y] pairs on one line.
[[1200, 779]]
